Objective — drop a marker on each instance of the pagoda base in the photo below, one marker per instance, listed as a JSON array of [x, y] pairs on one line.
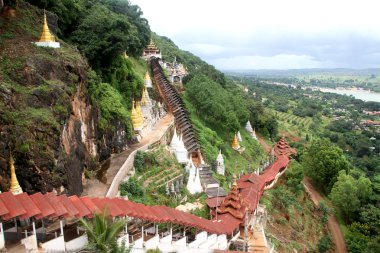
[[52, 44]]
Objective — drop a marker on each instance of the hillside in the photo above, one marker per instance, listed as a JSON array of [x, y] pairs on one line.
[[56, 114]]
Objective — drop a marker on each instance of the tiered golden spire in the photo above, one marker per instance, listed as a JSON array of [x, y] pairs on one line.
[[46, 36], [147, 76], [152, 45], [136, 118], [235, 143], [139, 112], [145, 100], [15, 186]]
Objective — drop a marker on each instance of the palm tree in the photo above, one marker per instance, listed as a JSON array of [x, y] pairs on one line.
[[102, 233]]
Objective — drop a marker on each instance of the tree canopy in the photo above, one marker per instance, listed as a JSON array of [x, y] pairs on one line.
[[322, 163]]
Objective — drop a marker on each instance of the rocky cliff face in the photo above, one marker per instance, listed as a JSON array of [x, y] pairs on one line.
[[46, 115]]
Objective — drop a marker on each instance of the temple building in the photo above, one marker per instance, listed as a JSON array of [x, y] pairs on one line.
[[15, 186], [47, 39], [147, 80], [151, 51], [235, 143], [176, 71], [220, 168]]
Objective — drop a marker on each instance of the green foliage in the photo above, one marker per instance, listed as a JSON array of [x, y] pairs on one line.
[[111, 104], [322, 162], [356, 238], [348, 193], [102, 233], [122, 76], [132, 188], [203, 212], [103, 35], [294, 176], [139, 161], [324, 244]]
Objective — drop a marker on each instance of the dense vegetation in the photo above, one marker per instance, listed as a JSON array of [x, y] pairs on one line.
[[336, 150]]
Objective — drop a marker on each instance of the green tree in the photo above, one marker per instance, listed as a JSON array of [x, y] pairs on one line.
[[348, 193], [103, 35], [102, 233], [322, 162]]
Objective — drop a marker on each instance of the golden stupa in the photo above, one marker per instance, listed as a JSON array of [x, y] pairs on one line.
[[147, 76], [136, 119], [145, 99], [139, 112], [46, 36], [15, 186], [235, 143]]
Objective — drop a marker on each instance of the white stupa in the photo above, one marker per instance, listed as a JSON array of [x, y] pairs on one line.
[[181, 152], [220, 168], [197, 182], [248, 127], [239, 136], [254, 134], [174, 144], [190, 183]]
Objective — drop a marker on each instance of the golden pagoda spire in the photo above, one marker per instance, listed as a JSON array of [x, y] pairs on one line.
[[235, 143], [147, 76], [136, 120], [139, 112], [235, 182], [46, 36], [145, 100], [15, 186]]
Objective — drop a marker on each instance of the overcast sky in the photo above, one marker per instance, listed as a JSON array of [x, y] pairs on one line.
[[269, 34]]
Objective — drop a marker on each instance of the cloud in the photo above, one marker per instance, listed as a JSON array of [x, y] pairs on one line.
[[271, 34]]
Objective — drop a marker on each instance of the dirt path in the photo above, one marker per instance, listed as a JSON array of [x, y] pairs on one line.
[[96, 188], [334, 228], [263, 143]]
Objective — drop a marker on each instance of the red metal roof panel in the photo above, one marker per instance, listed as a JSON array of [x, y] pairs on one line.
[[72, 211], [3, 209], [55, 202], [42, 204], [80, 206], [12, 204], [29, 206], [89, 204]]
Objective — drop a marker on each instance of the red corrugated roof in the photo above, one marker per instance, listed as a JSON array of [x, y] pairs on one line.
[[214, 202], [29, 206], [80, 206], [13, 205], [72, 211], [44, 205], [55, 202], [3, 209], [89, 204]]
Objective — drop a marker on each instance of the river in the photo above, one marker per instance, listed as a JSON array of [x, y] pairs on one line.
[[364, 95]]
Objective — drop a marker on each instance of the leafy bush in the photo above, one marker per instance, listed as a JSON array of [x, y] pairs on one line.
[[324, 244], [131, 188], [139, 161]]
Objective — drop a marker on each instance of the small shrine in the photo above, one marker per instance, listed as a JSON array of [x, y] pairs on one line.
[[251, 131], [15, 186], [47, 39], [235, 143], [179, 149], [136, 116], [239, 136], [151, 51], [147, 80], [194, 181], [220, 168]]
